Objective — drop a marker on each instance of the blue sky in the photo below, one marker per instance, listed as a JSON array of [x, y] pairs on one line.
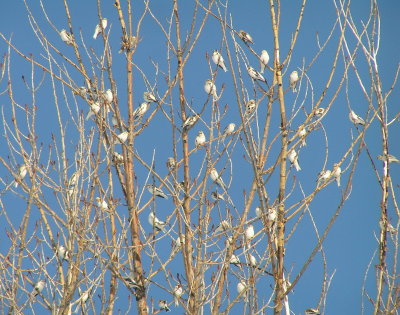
[[351, 242]]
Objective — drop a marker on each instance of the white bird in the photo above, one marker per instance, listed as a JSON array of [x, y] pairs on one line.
[[118, 158], [252, 260], [319, 111], [272, 214], [200, 139], [178, 291], [254, 74], [149, 97], [229, 129], [210, 88], [312, 311], [171, 163], [98, 29], [83, 297], [73, 179], [156, 191], [102, 204], [389, 227], [390, 158], [23, 170], [66, 37], [62, 253], [180, 240], [223, 226], [38, 288], [218, 60], [216, 196], [249, 233], [155, 222], [216, 178], [355, 119], [244, 36], [336, 173], [141, 110], [302, 134], [163, 305], [234, 260], [94, 109], [108, 96], [264, 59], [323, 176], [259, 212], [190, 121], [241, 287], [122, 137], [293, 158], [250, 107], [293, 78]]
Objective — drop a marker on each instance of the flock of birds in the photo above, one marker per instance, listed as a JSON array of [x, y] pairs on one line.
[[159, 225]]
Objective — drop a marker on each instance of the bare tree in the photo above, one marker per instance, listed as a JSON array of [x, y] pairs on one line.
[[142, 204]]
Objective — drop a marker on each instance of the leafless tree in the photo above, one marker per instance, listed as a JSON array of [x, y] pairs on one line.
[[94, 227]]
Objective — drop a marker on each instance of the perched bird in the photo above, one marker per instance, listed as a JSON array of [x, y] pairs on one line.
[[293, 158], [171, 163], [254, 74], [83, 297], [141, 110], [319, 111], [390, 158], [131, 283], [302, 134], [155, 222], [190, 121], [293, 78], [200, 139], [249, 233], [163, 305], [178, 291], [23, 170], [180, 240], [272, 214], [252, 260], [336, 172], [216, 178], [323, 176], [216, 196], [234, 260], [245, 37], [218, 60], [223, 226], [122, 137], [38, 288], [229, 129], [73, 179], [264, 59], [355, 119], [209, 88], [250, 107], [66, 37], [99, 28], [312, 311], [259, 212], [114, 120], [94, 109], [108, 96], [118, 158], [389, 227], [156, 191], [102, 204], [62, 253], [241, 288], [149, 97]]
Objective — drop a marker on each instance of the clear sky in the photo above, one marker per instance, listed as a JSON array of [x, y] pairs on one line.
[[352, 241]]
